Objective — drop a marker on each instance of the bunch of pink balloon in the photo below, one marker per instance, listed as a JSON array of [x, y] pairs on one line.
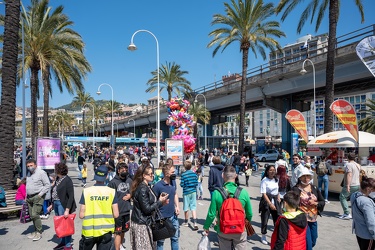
[[181, 123]]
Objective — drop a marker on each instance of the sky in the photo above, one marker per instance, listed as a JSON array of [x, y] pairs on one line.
[[181, 28]]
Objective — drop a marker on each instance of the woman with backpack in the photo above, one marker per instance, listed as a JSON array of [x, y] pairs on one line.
[[323, 172]]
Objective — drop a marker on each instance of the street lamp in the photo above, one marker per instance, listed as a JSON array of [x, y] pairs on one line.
[[302, 72], [133, 126], [98, 92], [58, 122], [93, 122], [132, 47], [61, 135], [205, 116], [116, 128]]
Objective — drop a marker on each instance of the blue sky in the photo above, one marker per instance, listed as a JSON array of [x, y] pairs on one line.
[[181, 28]]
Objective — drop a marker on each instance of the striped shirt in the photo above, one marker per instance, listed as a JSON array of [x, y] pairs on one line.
[[189, 182]]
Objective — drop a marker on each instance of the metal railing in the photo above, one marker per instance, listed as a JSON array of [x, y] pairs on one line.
[[341, 41]]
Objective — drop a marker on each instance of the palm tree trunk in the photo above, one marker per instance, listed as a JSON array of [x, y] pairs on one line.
[[195, 134], [83, 123], [245, 55], [34, 82], [8, 90], [330, 67], [46, 91]]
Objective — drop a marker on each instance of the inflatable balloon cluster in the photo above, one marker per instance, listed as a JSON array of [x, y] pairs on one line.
[[181, 123]]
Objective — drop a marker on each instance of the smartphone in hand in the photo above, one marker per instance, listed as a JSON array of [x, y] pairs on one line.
[[163, 194]]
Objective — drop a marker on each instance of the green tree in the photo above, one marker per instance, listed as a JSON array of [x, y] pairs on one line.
[[200, 113], [80, 100], [53, 48], [8, 90], [368, 124], [247, 23], [99, 113], [116, 108], [171, 78], [317, 9]]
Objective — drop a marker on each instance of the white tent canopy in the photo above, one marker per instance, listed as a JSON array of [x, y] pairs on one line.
[[342, 139]]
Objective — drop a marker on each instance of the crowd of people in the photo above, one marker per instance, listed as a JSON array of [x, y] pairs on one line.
[[130, 194]]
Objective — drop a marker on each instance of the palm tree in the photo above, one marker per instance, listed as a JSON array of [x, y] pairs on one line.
[[368, 124], [316, 9], [200, 113], [80, 100], [246, 22], [55, 50], [99, 113], [171, 78], [8, 89], [116, 108]]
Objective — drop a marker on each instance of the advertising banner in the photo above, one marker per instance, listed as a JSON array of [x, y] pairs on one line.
[[294, 143], [175, 150], [366, 52], [346, 114], [298, 122], [48, 152]]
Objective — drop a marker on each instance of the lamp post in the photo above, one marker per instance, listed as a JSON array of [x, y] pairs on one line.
[[303, 71], [116, 128], [61, 135], [133, 126], [58, 122], [205, 124], [98, 92], [132, 47], [93, 122]]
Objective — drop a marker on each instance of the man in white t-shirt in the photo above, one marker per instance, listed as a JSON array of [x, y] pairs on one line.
[[351, 185]]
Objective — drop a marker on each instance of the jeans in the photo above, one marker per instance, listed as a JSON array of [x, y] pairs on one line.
[[80, 171], [311, 235], [199, 189], [174, 239], [20, 202], [59, 210], [344, 195], [323, 180]]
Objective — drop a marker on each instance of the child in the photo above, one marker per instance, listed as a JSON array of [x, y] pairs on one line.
[[84, 175], [21, 191], [200, 180], [290, 228], [189, 183]]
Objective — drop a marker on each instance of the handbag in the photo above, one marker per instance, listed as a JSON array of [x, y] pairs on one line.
[[64, 226], [161, 228], [249, 228], [25, 216]]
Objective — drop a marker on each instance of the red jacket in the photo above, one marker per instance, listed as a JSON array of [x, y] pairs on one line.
[[290, 232]]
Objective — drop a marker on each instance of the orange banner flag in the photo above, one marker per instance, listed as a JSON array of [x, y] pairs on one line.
[[346, 114], [298, 122]]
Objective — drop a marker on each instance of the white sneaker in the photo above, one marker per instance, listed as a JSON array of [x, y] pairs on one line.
[[264, 240], [345, 217], [327, 202], [122, 247]]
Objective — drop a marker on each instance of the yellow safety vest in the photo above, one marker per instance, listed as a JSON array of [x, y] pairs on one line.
[[98, 218]]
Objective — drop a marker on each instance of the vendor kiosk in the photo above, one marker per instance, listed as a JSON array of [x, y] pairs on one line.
[[341, 140]]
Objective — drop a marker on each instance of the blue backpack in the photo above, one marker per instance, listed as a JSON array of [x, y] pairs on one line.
[[3, 202]]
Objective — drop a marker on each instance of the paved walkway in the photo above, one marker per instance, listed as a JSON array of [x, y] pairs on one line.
[[333, 233]]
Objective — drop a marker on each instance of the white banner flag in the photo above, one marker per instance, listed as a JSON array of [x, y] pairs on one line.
[[366, 52]]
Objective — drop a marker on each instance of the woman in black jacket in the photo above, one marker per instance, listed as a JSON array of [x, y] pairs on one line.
[[144, 206], [63, 199]]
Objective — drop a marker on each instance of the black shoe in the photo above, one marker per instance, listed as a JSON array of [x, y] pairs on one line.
[[59, 246]]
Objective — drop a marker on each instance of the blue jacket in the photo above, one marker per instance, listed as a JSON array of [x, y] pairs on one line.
[[363, 213]]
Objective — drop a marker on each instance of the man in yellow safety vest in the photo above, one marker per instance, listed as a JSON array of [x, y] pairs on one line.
[[98, 210]]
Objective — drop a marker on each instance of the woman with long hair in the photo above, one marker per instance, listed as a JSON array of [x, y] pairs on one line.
[[144, 206], [363, 213], [270, 201], [284, 182], [311, 203]]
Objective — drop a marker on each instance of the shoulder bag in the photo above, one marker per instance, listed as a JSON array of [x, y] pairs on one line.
[[162, 228], [249, 228]]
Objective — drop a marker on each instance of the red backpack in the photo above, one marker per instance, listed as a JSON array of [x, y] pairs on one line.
[[232, 214]]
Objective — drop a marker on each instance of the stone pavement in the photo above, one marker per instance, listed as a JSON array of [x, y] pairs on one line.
[[333, 232]]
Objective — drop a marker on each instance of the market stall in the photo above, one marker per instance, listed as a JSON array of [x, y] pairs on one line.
[[342, 140]]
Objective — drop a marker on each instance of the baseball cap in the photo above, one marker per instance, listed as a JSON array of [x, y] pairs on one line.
[[101, 173], [144, 158]]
